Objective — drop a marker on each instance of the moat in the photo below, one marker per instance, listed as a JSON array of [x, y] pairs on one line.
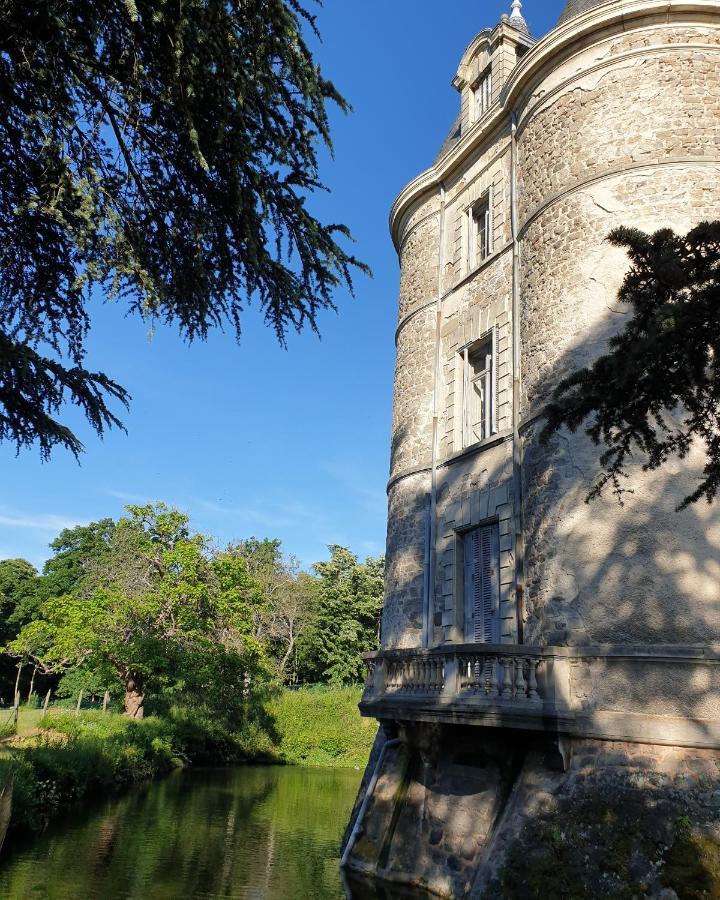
[[247, 832]]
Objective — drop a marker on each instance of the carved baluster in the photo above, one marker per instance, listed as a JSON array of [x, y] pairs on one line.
[[520, 683], [506, 693], [493, 686], [483, 668], [532, 679]]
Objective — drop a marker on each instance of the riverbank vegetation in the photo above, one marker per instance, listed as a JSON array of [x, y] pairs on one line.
[[63, 758], [198, 654]]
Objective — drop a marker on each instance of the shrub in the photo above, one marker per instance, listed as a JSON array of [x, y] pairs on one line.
[[321, 726]]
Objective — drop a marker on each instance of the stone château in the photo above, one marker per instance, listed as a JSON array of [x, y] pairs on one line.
[[532, 642]]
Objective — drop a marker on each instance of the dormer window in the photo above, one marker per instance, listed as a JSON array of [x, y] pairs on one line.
[[482, 94]]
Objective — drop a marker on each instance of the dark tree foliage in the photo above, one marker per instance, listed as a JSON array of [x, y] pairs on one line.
[[658, 389], [163, 152]]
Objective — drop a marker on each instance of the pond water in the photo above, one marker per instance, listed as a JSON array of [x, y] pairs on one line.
[[256, 832]]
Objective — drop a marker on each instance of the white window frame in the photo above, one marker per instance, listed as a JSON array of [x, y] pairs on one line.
[[479, 213], [482, 94], [484, 382]]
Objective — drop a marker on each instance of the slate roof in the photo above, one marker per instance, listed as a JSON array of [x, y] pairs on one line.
[[452, 138], [575, 8]]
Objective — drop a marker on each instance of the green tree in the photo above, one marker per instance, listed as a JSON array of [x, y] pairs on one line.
[[18, 602], [76, 550], [286, 598], [18, 584], [657, 390], [163, 153], [156, 610], [346, 619]]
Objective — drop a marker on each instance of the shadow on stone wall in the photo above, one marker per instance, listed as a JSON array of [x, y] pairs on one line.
[[468, 813], [596, 574], [626, 820]]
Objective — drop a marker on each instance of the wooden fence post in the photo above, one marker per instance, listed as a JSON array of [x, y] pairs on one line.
[[20, 667], [79, 702], [32, 685]]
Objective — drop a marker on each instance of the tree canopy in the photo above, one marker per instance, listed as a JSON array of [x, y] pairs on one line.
[[346, 618], [162, 153], [146, 607], [657, 390]]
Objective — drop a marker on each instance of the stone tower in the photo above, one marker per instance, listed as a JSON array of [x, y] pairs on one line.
[[516, 615]]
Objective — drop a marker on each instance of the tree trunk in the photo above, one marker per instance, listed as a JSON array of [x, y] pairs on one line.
[[134, 695], [286, 658]]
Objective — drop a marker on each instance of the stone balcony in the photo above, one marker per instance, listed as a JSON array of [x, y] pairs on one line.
[[662, 694]]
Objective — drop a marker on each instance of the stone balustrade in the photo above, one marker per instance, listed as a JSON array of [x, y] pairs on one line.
[[660, 693]]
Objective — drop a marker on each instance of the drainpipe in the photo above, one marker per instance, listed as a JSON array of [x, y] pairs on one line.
[[517, 375], [431, 555], [357, 827]]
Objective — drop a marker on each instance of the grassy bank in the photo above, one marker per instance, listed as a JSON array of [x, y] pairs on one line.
[[322, 727], [63, 758]]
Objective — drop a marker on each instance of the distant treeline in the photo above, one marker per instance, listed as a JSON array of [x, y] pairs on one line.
[[150, 610]]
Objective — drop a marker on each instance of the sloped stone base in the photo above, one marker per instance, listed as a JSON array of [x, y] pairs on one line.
[[483, 813]]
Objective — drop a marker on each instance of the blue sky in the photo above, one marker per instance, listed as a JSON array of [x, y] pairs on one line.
[[257, 440]]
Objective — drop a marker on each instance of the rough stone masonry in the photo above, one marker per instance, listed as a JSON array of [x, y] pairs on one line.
[[548, 667]]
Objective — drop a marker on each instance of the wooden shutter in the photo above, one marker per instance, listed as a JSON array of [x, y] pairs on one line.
[[481, 585]]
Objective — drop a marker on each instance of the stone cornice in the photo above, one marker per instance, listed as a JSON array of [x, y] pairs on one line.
[[543, 55]]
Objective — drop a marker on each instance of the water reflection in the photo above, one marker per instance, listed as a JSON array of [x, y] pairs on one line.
[[253, 832]]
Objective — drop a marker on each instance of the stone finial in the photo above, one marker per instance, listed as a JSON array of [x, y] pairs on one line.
[[516, 17]]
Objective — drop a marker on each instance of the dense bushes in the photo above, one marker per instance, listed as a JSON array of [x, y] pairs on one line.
[[82, 757], [321, 726]]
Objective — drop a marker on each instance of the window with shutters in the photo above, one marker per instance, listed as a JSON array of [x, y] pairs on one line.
[[481, 578], [482, 94], [478, 391], [479, 232]]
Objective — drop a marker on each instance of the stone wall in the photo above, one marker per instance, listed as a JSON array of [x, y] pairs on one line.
[[408, 511], [467, 813], [614, 128], [594, 155]]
